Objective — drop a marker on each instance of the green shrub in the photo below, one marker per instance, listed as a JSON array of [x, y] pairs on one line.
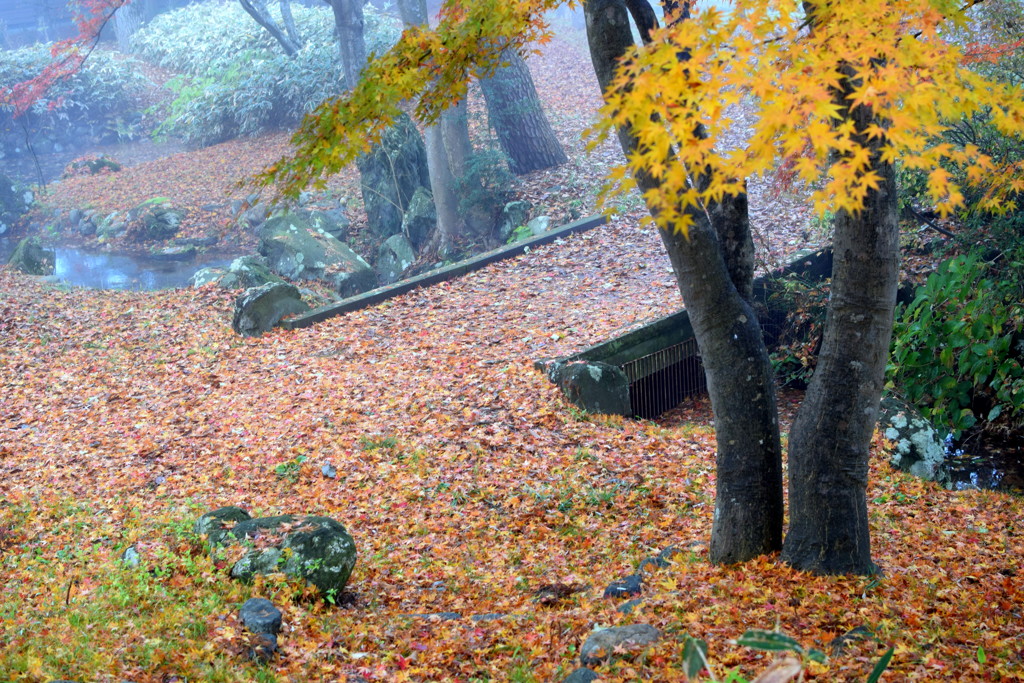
[[235, 79], [956, 347], [97, 98]]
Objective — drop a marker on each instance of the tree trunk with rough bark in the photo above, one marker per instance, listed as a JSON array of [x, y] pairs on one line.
[[126, 23], [350, 26], [515, 113], [831, 436], [289, 23], [455, 129], [714, 268]]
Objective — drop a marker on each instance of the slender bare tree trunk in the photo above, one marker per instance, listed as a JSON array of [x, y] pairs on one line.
[[257, 9], [289, 23], [450, 225]]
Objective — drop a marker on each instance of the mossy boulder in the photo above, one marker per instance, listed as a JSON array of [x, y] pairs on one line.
[[258, 309], [917, 447], [31, 258], [155, 220], [391, 172], [297, 251], [243, 273], [316, 549], [395, 258]]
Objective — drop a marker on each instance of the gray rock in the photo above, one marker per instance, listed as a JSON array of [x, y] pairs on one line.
[[631, 585], [618, 641], [130, 557], [258, 309], [329, 471], [155, 219], [664, 558], [252, 271], [206, 276], [316, 549], [259, 615], [490, 616], [435, 616], [581, 675], [111, 226], [174, 252], [350, 283], [420, 219], [593, 386], [216, 525], [334, 222], [395, 258], [200, 242], [31, 258], [390, 174], [919, 449], [513, 215], [294, 250], [255, 215], [539, 225], [244, 272]]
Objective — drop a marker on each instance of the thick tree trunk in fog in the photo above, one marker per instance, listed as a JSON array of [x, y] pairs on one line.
[[126, 22], [350, 26], [515, 113]]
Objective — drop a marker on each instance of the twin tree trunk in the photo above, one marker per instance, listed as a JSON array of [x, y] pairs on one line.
[[515, 113], [829, 441]]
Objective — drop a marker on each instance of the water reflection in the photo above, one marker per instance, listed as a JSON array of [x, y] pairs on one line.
[[99, 270], [123, 271]]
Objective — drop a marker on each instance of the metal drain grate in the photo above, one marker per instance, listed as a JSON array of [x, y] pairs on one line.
[[661, 380]]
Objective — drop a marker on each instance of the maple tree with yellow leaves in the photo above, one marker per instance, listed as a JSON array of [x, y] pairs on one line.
[[840, 91]]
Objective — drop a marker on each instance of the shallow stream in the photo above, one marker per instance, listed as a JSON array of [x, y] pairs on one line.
[[102, 270]]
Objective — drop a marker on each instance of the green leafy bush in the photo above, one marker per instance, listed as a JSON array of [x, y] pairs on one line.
[[88, 104], [957, 346], [235, 79]]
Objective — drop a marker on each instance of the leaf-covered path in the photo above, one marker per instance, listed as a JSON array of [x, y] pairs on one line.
[[466, 481]]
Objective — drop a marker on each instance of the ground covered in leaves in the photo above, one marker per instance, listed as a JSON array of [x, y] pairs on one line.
[[468, 484]]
